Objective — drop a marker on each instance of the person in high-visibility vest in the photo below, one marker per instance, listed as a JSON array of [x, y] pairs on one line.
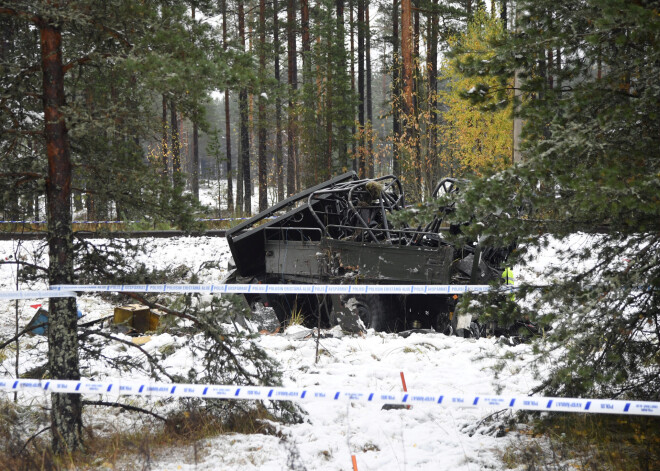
[[507, 279]]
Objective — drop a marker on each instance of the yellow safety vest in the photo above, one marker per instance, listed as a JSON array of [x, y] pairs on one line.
[[507, 279]]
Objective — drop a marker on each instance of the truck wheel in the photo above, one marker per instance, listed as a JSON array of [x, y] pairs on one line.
[[376, 311]]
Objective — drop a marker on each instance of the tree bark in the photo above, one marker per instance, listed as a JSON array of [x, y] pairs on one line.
[[230, 176], [406, 53], [278, 105], [503, 13], [292, 70], [351, 8], [342, 148], [328, 112], [370, 115], [165, 163], [432, 60], [195, 161], [307, 78], [66, 411], [263, 164], [243, 134], [396, 89], [360, 27], [194, 174], [176, 143]]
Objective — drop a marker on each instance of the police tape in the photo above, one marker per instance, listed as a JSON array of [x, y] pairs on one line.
[[36, 294], [281, 289], [59, 291], [123, 222], [266, 393]]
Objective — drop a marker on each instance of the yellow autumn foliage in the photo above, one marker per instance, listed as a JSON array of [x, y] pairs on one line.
[[473, 139]]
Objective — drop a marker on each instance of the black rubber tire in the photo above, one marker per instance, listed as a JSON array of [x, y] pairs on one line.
[[377, 311]]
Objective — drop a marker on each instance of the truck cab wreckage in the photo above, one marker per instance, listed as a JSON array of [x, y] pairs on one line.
[[341, 232]]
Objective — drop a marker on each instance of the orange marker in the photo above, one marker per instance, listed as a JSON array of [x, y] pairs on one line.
[[405, 389]]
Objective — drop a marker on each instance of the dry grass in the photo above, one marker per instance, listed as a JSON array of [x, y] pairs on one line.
[[133, 448], [590, 443]]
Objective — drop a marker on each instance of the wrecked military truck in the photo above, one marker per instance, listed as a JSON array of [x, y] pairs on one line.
[[341, 232]]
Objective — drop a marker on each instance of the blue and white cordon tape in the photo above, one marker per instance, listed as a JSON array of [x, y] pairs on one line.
[[124, 222], [265, 393], [60, 291]]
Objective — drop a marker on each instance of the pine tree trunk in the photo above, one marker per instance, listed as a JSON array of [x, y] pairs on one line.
[[166, 150], [328, 112], [503, 13], [342, 148], [243, 136], [292, 71], [396, 89], [370, 115], [176, 144], [230, 176], [432, 60], [278, 105], [415, 131], [360, 27], [307, 79], [263, 164], [66, 410], [406, 53], [351, 8], [194, 174]]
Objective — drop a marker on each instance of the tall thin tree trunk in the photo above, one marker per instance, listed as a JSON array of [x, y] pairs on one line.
[[230, 176], [263, 164], [406, 53], [166, 150], [362, 164], [351, 8], [342, 148], [292, 71], [194, 174], [195, 160], [432, 60], [63, 363], [176, 144], [328, 112], [370, 114], [244, 123], [396, 89], [503, 13], [415, 131], [278, 105], [307, 79]]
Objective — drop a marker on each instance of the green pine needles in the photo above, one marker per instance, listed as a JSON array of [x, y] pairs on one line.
[[588, 74]]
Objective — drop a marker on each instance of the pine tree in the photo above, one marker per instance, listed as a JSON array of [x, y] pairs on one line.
[[590, 163], [90, 128]]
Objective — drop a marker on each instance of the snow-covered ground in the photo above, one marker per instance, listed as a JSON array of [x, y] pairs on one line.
[[420, 438]]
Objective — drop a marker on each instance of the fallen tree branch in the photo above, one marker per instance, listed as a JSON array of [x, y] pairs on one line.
[[203, 325], [32, 438], [125, 407], [151, 359]]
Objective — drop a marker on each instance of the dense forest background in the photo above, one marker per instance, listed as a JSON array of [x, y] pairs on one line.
[[256, 95]]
